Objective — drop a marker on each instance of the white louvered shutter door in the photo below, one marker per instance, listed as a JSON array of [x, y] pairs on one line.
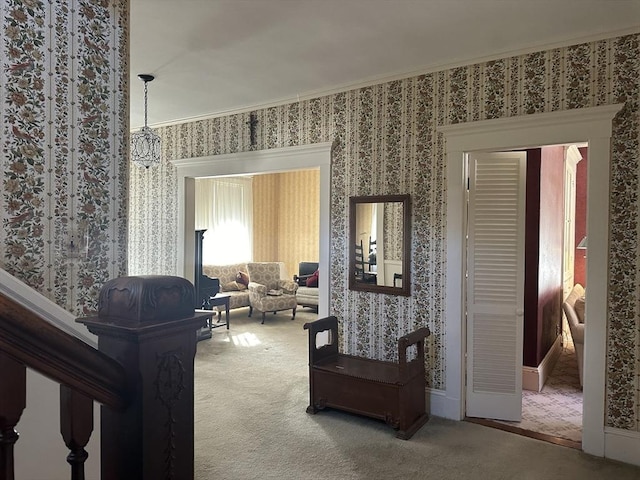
[[495, 285]]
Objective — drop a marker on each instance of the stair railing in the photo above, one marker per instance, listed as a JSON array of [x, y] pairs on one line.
[[141, 374]]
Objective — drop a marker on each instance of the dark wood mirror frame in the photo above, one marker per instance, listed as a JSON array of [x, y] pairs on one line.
[[356, 282]]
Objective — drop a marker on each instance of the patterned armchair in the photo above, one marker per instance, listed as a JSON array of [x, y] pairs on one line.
[[268, 291]]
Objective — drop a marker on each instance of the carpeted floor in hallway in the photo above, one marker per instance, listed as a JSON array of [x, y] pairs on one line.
[[251, 392], [555, 411]]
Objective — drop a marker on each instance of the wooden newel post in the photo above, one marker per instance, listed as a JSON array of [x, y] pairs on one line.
[[148, 325]]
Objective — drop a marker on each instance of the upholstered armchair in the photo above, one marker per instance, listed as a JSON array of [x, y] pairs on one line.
[[573, 307], [268, 290]]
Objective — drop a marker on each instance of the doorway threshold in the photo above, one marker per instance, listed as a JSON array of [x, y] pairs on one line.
[[526, 433]]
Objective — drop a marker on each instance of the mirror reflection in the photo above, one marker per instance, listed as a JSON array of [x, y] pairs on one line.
[[379, 244]]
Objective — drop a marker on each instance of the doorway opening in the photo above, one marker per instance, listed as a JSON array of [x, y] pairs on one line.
[[520, 261], [593, 125], [268, 217], [315, 156]]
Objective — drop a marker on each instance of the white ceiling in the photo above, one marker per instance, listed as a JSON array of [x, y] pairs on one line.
[[215, 56]]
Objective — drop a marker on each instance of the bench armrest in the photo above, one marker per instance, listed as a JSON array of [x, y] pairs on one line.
[[412, 338], [327, 323], [415, 366]]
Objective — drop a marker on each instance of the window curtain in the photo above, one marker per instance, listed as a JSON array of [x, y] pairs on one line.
[[224, 207]]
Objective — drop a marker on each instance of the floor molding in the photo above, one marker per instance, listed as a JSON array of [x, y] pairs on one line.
[[622, 445], [556, 411], [534, 378], [526, 433]]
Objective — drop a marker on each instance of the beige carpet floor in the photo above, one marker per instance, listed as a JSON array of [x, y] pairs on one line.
[[557, 409], [251, 393]]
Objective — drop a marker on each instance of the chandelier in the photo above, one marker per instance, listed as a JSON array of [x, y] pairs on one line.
[[145, 144]]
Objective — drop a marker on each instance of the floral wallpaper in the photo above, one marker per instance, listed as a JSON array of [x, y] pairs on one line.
[[386, 143], [63, 168]]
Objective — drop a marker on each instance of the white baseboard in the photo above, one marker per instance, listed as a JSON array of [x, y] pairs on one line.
[[440, 405], [622, 445], [534, 378]]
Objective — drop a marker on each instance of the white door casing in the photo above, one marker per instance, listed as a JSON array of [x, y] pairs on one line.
[[316, 155], [571, 159], [495, 285], [592, 125]]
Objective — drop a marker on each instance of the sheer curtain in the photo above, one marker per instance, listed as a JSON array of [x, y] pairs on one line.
[[224, 208]]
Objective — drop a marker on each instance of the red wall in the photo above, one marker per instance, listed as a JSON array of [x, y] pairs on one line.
[[531, 246], [581, 218], [543, 252], [551, 248]]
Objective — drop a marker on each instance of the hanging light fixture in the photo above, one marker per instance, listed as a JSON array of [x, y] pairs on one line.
[[145, 144]]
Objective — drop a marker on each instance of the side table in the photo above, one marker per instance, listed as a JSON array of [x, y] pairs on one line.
[[219, 300]]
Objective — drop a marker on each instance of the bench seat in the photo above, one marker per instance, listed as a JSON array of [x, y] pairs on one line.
[[389, 391]]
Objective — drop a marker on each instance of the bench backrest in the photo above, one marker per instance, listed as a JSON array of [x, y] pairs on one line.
[[328, 345]]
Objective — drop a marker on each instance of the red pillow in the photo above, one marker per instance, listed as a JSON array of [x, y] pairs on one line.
[[242, 278], [312, 281]]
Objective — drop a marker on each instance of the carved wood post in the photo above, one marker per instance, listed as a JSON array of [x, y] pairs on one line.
[[13, 388], [148, 325]]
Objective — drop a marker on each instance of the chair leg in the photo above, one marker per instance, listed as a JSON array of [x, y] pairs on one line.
[[263, 315]]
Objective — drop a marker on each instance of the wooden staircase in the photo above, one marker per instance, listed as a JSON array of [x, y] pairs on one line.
[[141, 374]]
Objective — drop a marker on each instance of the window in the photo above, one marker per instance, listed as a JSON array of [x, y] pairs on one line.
[[224, 208]]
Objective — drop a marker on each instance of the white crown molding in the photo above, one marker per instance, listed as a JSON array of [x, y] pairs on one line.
[[401, 75], [572, 155]]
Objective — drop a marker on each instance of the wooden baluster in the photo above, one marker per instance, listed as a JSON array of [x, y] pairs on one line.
[[76, 425], [13, 385]]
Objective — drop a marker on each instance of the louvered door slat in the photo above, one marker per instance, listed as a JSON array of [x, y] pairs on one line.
[[495, 283]]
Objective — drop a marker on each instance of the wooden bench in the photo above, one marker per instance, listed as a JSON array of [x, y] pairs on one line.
[[393, 392]]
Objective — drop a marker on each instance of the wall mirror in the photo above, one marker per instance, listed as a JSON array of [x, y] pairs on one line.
[[380, 244]]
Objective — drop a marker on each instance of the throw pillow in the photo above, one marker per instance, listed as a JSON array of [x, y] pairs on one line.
[[243, 278], [312, 281], [579, 308]]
